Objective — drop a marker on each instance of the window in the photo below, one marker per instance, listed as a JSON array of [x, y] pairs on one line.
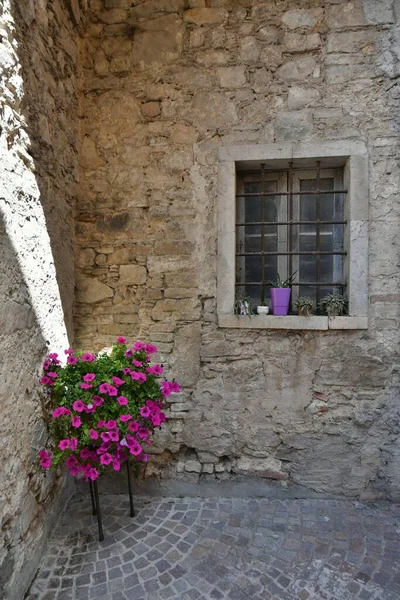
[[293, 207], [290, 221]]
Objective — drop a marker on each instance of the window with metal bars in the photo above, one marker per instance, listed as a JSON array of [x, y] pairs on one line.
[[290, 221]]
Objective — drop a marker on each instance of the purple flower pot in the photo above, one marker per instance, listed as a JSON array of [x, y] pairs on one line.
[[280, 301]]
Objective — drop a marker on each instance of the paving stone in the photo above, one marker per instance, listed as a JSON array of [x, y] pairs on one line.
[[233, 549]]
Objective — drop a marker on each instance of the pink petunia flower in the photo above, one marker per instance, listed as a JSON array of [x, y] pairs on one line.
[[93, 474], [114, 437], [47, 364], [89, 377], [45, 380], [126, 370], [52, 375], [125, 418], [112, 391], [116, 465], [128, 353], [105, 436], [133, 426], [90, 409], [86, 386], [75, 470], [79, 406], [143, 433], [151, 349], [106, 459], [76, 422], [138, 346], [140, 377], [68, 351], [54, 358], [88, 357], [72, 360], [145, 411], [103, 388], [73, 443], [98, 400], [85, 453], [101, 423], [45, 459], [93, 434], [111, 424], [155, 370], [121, 339], [137, 363], [118, 381], [156, 420], [122, 400], [71, 461], [135, 448], [64, 444], [60, 411]]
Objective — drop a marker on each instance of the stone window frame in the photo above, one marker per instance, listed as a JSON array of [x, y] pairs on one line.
[[353, 156]]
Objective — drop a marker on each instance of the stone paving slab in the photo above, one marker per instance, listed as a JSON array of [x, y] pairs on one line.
[[226, 548]]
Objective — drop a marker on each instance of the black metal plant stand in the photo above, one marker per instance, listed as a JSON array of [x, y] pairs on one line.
[[94, 496]]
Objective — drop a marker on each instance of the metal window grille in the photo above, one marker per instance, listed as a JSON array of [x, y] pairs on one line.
[[290, 221]]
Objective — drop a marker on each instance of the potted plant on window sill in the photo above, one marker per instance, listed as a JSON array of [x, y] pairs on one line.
[[304, 306], [334, 305], [243, 306], [280, 294], [262, 308]]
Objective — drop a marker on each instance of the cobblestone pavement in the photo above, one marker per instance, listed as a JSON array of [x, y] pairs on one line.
[[230, 548]]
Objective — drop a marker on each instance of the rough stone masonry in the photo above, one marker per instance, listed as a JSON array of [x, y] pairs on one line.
[[164, 84], [38, 174]]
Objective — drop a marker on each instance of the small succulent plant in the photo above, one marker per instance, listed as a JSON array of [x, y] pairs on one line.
[[334, 304], [304, 305]]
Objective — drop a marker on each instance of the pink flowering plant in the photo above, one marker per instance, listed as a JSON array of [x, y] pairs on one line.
[[104, 407]]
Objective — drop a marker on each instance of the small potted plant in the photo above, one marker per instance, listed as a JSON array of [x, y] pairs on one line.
[[280, 294], [304, 306], [243, 306], [262, 308], [334, 305]]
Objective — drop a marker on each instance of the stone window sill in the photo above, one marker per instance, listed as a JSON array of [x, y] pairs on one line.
[[315, 323]]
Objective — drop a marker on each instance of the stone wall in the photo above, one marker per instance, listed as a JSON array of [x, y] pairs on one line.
[[38, 155], [164, 85]]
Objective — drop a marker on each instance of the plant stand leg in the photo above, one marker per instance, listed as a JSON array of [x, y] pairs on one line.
[[92, 497], [132, 508], [98, 511]]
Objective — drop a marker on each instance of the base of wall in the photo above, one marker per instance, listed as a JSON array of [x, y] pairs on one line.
[[235, 487]]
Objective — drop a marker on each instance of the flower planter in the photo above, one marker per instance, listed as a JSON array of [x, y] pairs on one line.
[[280, 301], [262, 310], [305, 311]]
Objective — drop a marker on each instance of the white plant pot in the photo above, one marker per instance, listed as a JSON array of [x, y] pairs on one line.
[[262, 310]]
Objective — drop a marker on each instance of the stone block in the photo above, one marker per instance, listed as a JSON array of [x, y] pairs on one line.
[[300, 97], [352, 41], [181, 293], [297, 69], [379, 12], [151, 109], [296, 125], [173, 248], [232, 77], [91, 291], [269, 35], [271, 57], [307, 18], [208, 468], [249, 50], [158, 43], [183, 134], [346, 15], [298, 42], [85, 257], [132, 275], [206, 16], [193, 466], [154, 9]]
